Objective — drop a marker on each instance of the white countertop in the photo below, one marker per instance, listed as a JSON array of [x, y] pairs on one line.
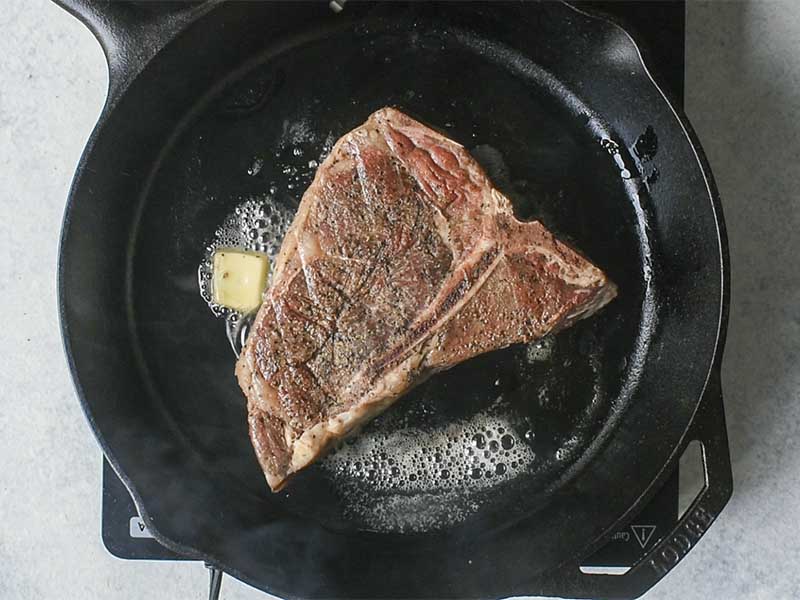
[[743, 79]]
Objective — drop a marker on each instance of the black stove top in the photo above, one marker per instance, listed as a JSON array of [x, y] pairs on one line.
[[659, 26]]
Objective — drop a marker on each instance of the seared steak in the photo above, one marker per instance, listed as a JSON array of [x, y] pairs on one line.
[[403, 260]]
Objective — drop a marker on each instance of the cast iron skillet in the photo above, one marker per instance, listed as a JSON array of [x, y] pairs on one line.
[[564, 113]]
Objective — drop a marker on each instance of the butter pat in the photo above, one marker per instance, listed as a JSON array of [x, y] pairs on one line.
[[239, 279]]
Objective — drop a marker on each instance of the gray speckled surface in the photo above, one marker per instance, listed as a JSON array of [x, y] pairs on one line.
[[743, 77]]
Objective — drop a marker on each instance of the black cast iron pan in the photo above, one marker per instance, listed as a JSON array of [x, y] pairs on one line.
[[561, 109]]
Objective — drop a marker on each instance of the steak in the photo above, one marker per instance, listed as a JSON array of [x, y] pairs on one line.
[[403, 260]]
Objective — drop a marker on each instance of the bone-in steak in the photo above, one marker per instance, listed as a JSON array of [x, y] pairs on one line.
[[403, 260]]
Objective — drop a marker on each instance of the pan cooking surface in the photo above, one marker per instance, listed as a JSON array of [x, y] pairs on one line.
[[485, 441]]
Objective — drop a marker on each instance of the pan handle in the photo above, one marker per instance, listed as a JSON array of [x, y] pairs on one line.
[[132, 32], [708, 428]]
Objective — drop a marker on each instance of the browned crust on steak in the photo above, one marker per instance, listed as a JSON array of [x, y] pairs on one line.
[[403, 260]]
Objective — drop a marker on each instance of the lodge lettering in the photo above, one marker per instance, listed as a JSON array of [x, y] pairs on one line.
[[674, 548]]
